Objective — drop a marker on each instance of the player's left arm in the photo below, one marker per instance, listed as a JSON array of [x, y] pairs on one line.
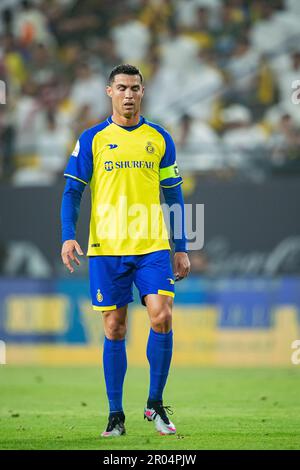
[[173, 195], [171, 181]]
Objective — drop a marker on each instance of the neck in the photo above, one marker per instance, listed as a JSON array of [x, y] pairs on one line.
[[124, 121]]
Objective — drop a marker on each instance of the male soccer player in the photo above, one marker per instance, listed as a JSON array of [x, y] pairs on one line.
[[125, 159]]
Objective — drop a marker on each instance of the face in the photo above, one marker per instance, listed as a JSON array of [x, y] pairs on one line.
[[126, 92]]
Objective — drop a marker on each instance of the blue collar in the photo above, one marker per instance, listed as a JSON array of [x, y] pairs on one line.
[[128, 128]]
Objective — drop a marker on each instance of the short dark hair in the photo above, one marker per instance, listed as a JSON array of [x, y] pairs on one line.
[[124, 68]]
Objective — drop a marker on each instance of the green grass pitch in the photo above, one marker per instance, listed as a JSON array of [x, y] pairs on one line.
[[65, 408]]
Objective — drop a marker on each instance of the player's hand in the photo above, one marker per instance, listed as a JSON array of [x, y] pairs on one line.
[[69, 248], [182, 265]]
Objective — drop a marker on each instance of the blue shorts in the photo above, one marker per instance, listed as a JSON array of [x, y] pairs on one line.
[[112, 278]]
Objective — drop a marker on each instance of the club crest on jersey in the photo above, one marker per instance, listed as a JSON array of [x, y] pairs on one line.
[[76, 149], [149, 147], [99, 296]]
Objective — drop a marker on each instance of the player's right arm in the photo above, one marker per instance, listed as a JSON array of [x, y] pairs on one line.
[[69, 215], [78, 174]]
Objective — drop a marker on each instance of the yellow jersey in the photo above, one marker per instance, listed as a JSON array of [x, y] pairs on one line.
[[125, 167]]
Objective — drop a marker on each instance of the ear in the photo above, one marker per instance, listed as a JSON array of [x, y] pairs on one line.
[[143, 90], [109, 91]]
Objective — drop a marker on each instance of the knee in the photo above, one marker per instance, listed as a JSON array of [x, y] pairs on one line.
[[113, 328], [161, 322]]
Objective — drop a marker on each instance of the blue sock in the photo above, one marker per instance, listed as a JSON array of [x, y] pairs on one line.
[[115, 365], [159, 354]]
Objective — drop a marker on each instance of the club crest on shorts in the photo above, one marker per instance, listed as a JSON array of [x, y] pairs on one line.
[[99, 296], [149, 147]]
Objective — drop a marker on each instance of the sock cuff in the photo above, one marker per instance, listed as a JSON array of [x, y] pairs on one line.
[[161, 336], [114, 342]]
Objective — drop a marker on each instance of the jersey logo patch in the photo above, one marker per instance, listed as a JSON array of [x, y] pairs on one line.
[[171, 280], [149, 147], [76, 149], [112, 146]]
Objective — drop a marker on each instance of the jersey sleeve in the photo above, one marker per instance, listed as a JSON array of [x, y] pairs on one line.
[[168, 169], [80, 165]]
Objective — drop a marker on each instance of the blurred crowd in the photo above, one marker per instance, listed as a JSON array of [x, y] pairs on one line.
[[222, 75]]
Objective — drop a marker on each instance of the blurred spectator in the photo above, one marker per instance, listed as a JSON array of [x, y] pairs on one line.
[[31, 25], [242, 138], [177, 44], [71, 55], [131, 39], [285, 145], [229, 29], [6, 21], [293, 6], [266, 89], [242, 69], [13, 62], [157, 15], [80, 21], [275, 31], [286, 78], [186, 11], [53, 145], [190, 85], [26, 120], [204, 83], [43, 67], [88, 90], [198, 145], [52, 149], [201, 32], [165, 88]]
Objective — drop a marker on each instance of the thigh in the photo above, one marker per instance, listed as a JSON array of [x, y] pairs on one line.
[[154, 275], [111, 282]]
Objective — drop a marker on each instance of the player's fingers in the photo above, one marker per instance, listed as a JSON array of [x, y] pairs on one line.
[[178, 269], [182, 270], [73, 258], [64, 257], [69, 266], [78, 248], [66, 260], [71, 255], [76, 260], [186, 270]]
